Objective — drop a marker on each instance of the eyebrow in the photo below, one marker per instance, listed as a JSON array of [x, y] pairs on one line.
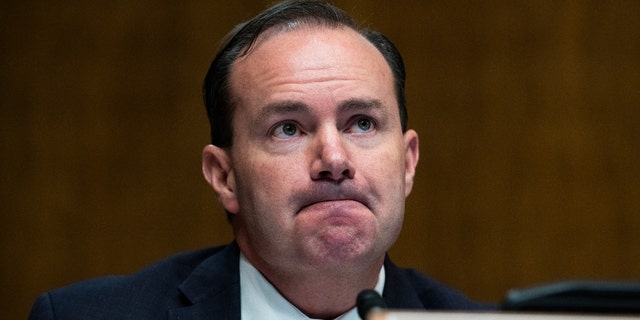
[[279, 108], [289, 107], [361, 105]]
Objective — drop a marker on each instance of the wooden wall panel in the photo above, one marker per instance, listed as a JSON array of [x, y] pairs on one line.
[[527, 113]]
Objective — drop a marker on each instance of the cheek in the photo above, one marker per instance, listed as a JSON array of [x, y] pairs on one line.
[[264, 183], [385, 176], [253, 184], [386, 168]]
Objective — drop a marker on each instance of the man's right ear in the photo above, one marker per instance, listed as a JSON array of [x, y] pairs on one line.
[[218, 171]]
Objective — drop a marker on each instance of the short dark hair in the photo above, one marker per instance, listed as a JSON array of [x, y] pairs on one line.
[[285, 15]]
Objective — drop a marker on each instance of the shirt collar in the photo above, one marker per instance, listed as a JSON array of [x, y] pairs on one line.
[[259, 299]]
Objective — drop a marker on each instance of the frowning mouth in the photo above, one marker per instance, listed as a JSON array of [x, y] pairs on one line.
[[332, 204], [329, 198], [335, 207]]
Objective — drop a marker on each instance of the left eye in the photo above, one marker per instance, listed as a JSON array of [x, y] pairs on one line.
[[362, 124]]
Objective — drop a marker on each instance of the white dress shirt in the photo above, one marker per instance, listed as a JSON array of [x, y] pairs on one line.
[[259, 299]]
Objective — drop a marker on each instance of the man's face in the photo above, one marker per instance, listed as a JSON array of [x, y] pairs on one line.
[[319, 168]]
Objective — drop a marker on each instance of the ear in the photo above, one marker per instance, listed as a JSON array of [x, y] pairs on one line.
[[412, 153], [218, 171]]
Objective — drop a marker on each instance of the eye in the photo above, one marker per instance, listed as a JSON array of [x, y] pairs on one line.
[[285, 130], [362, 125]]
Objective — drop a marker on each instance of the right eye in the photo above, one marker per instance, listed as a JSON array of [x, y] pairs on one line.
[[286, 130]]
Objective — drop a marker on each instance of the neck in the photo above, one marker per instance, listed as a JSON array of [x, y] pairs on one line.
[[322, 293]]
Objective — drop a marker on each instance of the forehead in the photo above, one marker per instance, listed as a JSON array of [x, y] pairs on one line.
[[299, 36], [309, 57]]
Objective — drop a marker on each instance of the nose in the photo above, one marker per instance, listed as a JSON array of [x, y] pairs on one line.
[[331, 159]]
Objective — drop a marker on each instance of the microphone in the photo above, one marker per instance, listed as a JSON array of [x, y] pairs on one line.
[[369, 301]]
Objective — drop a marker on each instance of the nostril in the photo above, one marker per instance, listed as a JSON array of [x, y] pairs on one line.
[[328, 174], [325, 174]]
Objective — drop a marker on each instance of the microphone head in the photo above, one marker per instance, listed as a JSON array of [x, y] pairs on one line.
[[368, 300]]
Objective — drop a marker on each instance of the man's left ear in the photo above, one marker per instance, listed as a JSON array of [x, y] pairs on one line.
[[412, 153]]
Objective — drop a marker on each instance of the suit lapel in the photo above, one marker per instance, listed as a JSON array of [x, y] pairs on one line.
[[212, 291], [398, 290]]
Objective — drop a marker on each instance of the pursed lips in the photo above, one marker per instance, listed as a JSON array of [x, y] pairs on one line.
[[335, 204], [331, 204], [330, 196]]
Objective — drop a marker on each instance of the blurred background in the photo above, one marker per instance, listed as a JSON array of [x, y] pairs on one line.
[[528, 114]]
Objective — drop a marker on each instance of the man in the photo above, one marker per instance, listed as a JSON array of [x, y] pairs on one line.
[[312, 161]]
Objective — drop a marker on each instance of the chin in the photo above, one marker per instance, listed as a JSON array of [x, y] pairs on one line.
[[343, 252]]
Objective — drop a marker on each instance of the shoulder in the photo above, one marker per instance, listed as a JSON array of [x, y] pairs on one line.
[[129, 296], [410, 289]]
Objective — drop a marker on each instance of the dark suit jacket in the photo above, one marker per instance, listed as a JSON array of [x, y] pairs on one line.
[[205, 284]]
